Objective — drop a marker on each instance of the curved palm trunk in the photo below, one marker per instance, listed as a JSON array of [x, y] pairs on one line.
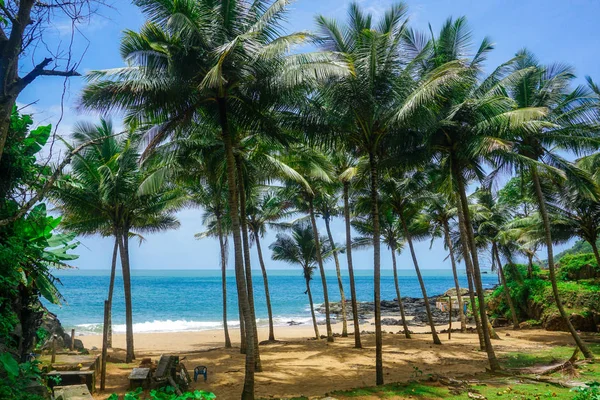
[[548, 241], [469, 269], [511, 305], [530, 265], [312, 309], [485, 326], [111, 287], [266, 283], [339, 278], [461, 311], [354, 301], [436, 339], [223, 280], [242, 329], [376, 269], [595, 250], [124, 251], [248, 267], [313, 222], [248, 389], [398, 296]]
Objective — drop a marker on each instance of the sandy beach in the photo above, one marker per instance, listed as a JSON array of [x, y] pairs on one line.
[[297, 366]]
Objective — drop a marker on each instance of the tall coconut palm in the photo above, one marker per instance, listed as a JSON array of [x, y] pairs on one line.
[[301, 249], [222, 61], [365, 102], [439, 213], [264, 209], [345, 168], [402, 195], [568, 122], [328, 207], [102, 194], [463, 129], [493, 221]]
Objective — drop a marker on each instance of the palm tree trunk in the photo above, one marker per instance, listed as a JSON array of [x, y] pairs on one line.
[[248, 266], [124, 250], [111, 287], [548, 241], [313, 222], [461, 311], [595, 250], [354, 301], [407, 235], [485, 326], [530, 265], [242, 330], [223, 279], [312, 309], [469, 268], [266, 283], [339, 278], [248, 389], [376, 269], [511, 305], [398, 296]]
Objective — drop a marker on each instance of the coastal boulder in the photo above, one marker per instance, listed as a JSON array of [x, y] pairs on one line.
[[452, 292]]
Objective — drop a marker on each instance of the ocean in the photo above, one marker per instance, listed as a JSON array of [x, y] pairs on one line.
[[191, 300]]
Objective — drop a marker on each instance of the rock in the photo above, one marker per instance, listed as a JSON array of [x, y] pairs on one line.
[[500, 321], [293, 323], [452, 292]]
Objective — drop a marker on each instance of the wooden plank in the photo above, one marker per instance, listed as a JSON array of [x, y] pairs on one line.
[[139, 373], [163, 370], [71, 373], [73, 392]]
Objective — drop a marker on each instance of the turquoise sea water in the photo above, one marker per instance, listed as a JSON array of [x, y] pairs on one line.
[[190, 300]]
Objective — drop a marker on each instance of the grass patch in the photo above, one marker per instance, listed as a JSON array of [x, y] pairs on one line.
[[407, 390]]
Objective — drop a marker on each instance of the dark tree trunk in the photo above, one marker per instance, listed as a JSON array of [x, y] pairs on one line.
[[242, 330], [548, 241], [223, 279], [248, 389], [111, 287], [595, 250], [530, 265], [354, 301], [266, 283], [485, 327], [461, 311], [313, 222], [339, 278], [312, 309], [511, 305], [374, 177], [407, 235], [248, 267], [124, 250], [469, 269], [398, 295]]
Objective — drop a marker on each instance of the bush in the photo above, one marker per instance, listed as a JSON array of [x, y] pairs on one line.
[[592, 392], [578, 266], [165, 393]]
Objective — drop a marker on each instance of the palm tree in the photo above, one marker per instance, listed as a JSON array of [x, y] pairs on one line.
[[362, 105], [402, 195], [439, 213], [102, 194], [327, 206], [211, 196], [391, 235], [567, 122], [222, 61], [491, 222], [264, 209], [301, 249], [345, 168]]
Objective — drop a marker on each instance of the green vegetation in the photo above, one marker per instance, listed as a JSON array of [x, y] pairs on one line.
[[579, 266], [165, 393]]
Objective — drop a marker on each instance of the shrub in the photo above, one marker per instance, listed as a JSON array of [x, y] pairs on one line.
[[578, 266]]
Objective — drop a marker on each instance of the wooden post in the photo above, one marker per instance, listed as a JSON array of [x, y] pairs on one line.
[[72, 339], [53, 359], [104, 346], [450, 318]]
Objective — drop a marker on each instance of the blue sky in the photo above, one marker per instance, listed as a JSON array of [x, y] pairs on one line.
[[556, 30]]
